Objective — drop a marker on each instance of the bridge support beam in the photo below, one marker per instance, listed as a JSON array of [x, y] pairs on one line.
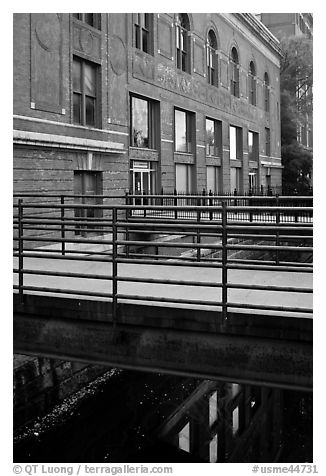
[[257, 360]]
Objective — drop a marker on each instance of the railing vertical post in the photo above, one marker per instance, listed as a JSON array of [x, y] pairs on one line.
[[127, 219], [63, 244], [114, 265], [277, 238], [20, 251], [210, 202], [224, 262], [198, 233], [175, 204]]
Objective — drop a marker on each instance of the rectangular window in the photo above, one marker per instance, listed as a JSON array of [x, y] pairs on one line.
[[183, 121], [266, 97], [235, 143], [143, 32], [92, 19], [267, 141], [235, 179], [213, 179], [85, 87], [212, 65], [182, 48], [253, 145], [213, 137], [183, 178], [144, 116]]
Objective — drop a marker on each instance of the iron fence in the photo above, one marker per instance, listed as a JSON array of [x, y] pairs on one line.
[[54, 242]]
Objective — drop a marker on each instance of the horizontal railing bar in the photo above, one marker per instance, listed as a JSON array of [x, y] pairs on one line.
[[166, 281], [269, 237], [266, 307], [67, 257], [66, 274], [186, 208], [270, 248], [168, 195], [168, 244], [168, 300], [169, 282], [261, 287], [298, 269], [170, 262], [272, 262], [66, 240], [64, 291]]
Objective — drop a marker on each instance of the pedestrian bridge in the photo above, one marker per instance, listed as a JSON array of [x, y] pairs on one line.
[[103, 284]]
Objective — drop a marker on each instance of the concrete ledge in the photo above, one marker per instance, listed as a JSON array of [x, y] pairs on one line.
[[67, 142]]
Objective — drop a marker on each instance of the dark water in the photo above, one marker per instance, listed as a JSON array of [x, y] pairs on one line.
[[136, 416]]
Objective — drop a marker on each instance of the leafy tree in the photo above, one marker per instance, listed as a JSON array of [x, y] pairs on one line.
[[296, 106]]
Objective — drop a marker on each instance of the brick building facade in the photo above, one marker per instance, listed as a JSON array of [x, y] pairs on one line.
[[109, 102]]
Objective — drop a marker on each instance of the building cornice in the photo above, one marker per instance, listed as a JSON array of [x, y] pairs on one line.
[[261, 32]]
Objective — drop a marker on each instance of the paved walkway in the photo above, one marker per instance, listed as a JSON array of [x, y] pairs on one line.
[[184, 273]]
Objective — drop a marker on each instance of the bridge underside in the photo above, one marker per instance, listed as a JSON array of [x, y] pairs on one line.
[[251, 348]]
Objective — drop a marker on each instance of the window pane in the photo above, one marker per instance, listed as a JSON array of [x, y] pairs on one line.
[[137, 36], [210, 137], [145, 41], [140, 136], [90, 80], [89, 18], [250, 142], [233, 143], [77, 108], [90, 111], [180, 131], [76, 76]]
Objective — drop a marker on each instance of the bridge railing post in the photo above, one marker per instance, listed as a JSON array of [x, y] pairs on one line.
[[114, 265], [20, 251], [128, 210], [224, 262], [277, 237], [63, 244], [198, 232]]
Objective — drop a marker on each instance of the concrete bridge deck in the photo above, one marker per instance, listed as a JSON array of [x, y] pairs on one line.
[[202, 275]]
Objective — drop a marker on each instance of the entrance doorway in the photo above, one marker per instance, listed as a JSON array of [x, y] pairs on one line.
[[143, 175], [88, 184]]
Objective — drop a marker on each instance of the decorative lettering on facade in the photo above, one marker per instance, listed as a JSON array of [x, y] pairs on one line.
[[167, 77], [143, 67]]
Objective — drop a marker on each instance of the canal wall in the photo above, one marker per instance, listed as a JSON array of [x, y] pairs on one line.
[[41, 383]]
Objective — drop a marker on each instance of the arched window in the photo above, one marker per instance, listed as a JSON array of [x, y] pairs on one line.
[[234, 72], [266, 92], [252, 84], [182, 41], [211, 57]]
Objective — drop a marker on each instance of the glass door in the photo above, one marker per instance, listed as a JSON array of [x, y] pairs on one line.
[[143, 181]]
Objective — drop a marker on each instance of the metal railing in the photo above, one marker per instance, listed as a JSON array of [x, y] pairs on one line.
[[293, 214], [73, 233]]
